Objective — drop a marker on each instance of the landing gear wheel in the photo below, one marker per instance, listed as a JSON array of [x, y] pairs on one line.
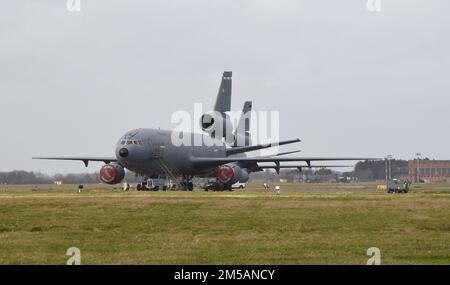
[[187, 184]]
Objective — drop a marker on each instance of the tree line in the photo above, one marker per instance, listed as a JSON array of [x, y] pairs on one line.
[[363, 171], [27, 177], [371, 170]]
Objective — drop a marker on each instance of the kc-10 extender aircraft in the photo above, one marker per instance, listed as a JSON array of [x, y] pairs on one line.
[[151, 152]]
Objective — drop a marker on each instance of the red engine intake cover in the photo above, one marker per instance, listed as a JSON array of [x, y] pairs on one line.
[[225, 173], [108, 173]]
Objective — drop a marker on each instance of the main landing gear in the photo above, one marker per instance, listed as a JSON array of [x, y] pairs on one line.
[[217, 186], [186, 183]]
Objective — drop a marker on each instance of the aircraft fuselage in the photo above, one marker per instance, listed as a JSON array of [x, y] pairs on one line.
[[142, 150]]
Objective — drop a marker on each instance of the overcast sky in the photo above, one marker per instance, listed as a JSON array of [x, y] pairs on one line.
[[347, 81]]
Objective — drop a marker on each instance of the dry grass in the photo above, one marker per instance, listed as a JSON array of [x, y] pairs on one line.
[[307, 224]]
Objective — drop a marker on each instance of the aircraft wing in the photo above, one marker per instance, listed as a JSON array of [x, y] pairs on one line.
[[299, 167], [303, 166], [285, 153], [85, 160], [215, 161], [242, 149]]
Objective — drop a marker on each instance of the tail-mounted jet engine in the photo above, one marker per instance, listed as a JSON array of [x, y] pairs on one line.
[[217, 126], [112, 173], [231, 173]]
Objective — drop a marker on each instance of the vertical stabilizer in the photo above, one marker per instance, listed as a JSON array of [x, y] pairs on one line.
[[242, 133], [223, 100]]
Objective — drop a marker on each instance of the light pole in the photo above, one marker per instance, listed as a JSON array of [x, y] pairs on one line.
[[389, 157], [386, 168], [418, 167]]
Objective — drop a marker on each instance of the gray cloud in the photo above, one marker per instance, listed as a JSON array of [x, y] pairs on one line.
[[347, 82]]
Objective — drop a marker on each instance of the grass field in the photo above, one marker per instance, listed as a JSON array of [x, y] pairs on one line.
[[306, 224]]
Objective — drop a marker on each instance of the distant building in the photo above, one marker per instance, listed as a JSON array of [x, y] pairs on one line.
[[429, 170], [59, 183]]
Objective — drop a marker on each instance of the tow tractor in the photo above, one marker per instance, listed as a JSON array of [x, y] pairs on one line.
[[398, 186]]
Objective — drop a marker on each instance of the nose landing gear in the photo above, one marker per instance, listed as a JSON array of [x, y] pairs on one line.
[[154, 183], [163, 184]]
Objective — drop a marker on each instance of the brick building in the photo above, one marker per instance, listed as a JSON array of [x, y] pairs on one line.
[[429, 170]]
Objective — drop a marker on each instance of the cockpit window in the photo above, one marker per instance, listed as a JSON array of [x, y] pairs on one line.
[[131, 138], [129, 142]]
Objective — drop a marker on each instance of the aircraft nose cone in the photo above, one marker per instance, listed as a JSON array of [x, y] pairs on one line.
[[123, 152]]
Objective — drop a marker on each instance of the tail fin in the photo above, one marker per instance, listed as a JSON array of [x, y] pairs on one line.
[[244, 121], [223, 100], [242, 133]]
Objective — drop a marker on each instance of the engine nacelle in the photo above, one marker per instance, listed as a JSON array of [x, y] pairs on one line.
[[231, 173], [217, 125], [112, 173]]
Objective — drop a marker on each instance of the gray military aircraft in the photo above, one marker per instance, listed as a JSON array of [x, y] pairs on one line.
[[151, 152]]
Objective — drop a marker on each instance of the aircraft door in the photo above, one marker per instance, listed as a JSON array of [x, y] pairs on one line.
[[158, 145], [158, 149]]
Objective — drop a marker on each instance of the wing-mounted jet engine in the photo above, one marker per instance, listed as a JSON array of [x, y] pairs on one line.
[[231, 173], [112, 173]]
